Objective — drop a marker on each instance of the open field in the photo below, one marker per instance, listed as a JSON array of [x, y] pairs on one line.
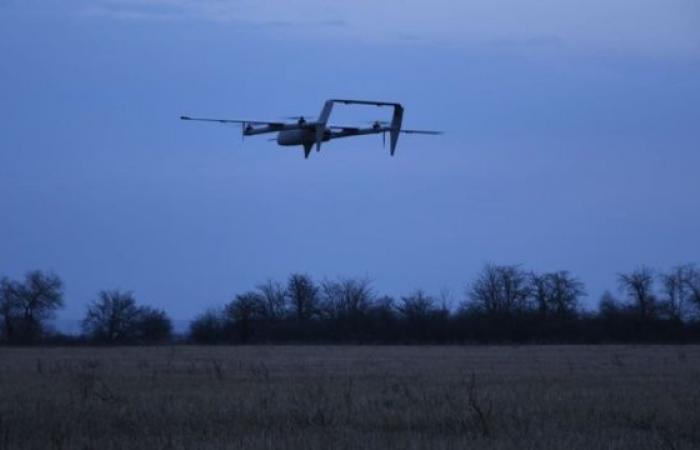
[[323, 397]]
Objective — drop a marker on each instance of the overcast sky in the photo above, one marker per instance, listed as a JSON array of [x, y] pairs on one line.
[[572, 142]]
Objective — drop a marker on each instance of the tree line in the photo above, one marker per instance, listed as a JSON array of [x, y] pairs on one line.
[[502, 304]]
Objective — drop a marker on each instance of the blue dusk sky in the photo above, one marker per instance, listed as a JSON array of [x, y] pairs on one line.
[[572, 142]]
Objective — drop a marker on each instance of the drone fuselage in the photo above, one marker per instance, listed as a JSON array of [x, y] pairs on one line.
[[304, 137]]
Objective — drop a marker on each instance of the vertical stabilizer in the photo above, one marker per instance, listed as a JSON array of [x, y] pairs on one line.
[[396, 122], [307, 149], [321, 123]]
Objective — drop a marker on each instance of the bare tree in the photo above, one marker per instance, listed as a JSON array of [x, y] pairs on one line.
[[116, 318], [153, 325], [446, 299], [9, 307], [609, 307], [382, 318], [422, 317], [500, 290], [556, 293], [383, 309], [113, 317], [244, 311], [639, 287], [303, 297], [347, 297], [417, 306], [25, 306], [209, 327], [274, 299], [677, 290], [692, 283]]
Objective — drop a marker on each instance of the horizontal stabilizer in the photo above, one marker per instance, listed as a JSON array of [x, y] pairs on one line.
[[364, 102], [421, 132]]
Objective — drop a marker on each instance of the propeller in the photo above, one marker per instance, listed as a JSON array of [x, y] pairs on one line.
[[300, 119], [377, 123], [245, 126]]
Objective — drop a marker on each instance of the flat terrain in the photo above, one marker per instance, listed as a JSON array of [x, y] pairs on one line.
[[323, 397]]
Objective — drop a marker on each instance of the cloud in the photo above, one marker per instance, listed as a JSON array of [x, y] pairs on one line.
[[242, 13], [134, 10], [535, 41], [647, 27]]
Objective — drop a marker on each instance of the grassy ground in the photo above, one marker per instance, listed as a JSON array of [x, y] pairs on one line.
[[320, 397]]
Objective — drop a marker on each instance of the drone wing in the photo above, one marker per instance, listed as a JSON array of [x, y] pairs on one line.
[[246, 122], [343, 128], [421, 132]]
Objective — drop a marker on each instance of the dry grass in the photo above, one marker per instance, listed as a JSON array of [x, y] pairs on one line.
[[350, 397]]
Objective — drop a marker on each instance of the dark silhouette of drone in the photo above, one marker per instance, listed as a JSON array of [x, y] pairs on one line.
[[308, 133]]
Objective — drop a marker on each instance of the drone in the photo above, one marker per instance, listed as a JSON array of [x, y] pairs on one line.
[[310, 133]]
